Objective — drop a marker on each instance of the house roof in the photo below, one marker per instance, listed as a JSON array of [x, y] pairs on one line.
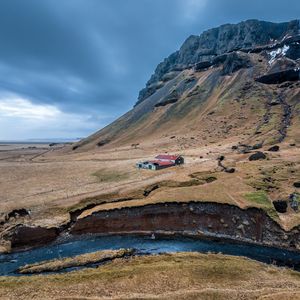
[[162, 163], [166, 156]]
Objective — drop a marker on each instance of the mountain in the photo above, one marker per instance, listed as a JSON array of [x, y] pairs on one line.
[[237, 82]]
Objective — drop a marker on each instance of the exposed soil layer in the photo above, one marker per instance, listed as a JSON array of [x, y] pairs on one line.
[[200, 218], [26, 236]]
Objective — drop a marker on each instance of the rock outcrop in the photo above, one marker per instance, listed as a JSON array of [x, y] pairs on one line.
[[217, 41]]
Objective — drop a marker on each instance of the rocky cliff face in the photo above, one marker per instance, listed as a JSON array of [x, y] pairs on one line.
[[214, 42], [217, 86]]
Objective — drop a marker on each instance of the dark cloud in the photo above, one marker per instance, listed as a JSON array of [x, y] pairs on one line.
[[93, 56]]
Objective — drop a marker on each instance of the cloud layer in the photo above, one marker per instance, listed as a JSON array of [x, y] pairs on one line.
[[85, 60]]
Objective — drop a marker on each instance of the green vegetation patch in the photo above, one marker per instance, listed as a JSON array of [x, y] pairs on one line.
[[260, 199]]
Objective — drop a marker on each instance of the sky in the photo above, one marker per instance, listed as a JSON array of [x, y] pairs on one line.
[[70, 67]]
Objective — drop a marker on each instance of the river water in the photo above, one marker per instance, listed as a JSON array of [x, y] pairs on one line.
[[9, 263]]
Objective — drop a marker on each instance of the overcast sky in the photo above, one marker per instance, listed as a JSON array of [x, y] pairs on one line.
[[69, 67]]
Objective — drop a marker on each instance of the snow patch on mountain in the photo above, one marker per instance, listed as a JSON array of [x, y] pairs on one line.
[[278, 52]]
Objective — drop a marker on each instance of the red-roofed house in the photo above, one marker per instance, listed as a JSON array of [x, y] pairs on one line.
[[161, 162], [176, 159]]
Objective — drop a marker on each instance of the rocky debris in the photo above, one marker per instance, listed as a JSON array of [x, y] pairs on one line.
[[15, 214], [244, 148], [274, 148], [296, 184], [293, 200], [224, 168], [280, 206], [257, 156], [103, 142]]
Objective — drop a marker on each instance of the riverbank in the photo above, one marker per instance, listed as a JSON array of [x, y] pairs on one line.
[[167, 276], [69, 249]]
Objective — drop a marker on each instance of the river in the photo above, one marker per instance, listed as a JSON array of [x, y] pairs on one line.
[[9, 263]]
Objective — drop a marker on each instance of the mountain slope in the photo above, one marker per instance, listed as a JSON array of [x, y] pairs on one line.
[[235, 82]]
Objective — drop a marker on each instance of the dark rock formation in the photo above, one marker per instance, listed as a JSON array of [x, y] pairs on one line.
[[297, 184], [294, 51], [293, 200], [243, 148], [274, 148], [229, 170], [280, 206], [25, 236], [215, 42], [235, 61], [203, 65], [16, 213], [256, 156], [102, 143], [224, 168], [279, 77]]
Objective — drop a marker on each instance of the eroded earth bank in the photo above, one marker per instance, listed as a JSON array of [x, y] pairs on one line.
[[198, 219]]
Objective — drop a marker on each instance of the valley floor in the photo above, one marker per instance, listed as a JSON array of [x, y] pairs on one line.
[[50, 183]]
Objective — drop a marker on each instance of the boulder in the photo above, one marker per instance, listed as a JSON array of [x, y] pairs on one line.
[[296, 184], [274, 148], [257, 156], [230, 170], [280, 206]]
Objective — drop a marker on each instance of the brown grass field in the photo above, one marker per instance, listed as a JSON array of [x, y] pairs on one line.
[[173, 276]]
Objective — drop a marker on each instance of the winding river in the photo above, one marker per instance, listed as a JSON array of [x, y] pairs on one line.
[[9, 263]]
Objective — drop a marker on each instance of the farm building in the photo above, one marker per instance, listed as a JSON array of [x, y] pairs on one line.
[[176, 159], [161, 162]]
